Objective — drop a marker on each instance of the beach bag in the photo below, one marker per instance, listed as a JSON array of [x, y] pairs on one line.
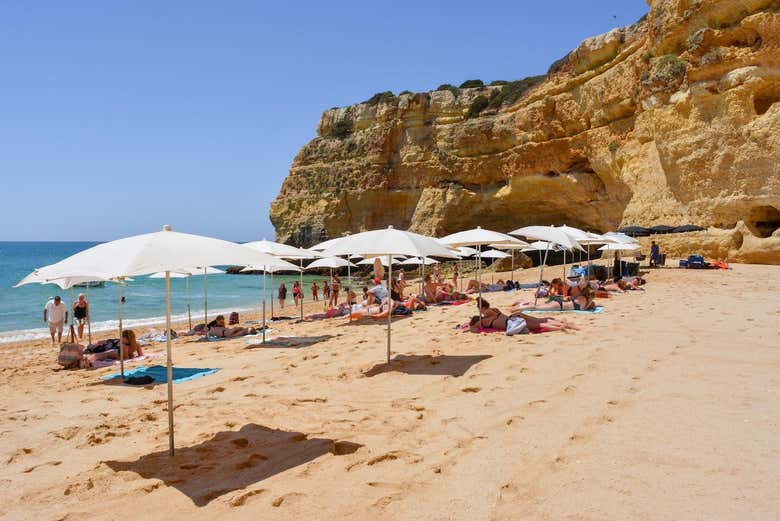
[[516, 326], [70, 355], [542, 292], [233, 318]]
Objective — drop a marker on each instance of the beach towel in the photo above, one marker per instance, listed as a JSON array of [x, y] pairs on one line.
[[597, 309], [452, 303], [287, 341], [108, 363], [160, 373]]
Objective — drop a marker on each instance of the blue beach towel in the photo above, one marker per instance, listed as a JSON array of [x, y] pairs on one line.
[[160, 373], [597, 309]]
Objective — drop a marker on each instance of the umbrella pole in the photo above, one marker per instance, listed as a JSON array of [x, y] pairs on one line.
[[189, 308], [89, 318], [389, 302], [513, 268], [72, 321], [300, 263], [265, 295], [422, 278], [479, 282], [121, 346], [262, 324], [564, 265], [205, 299], [168, 356], [327, 302]]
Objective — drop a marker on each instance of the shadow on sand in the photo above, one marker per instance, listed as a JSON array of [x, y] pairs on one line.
[[428, 365], [288, 342], [232, 460]]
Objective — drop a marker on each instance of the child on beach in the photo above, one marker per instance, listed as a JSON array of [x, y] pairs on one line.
[[282, 295]]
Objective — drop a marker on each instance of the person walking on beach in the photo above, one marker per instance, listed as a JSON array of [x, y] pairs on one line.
[[55, 313], [297, 293], [655, 254], [325, 290], [282, 295], [81, 313], [315, 291]]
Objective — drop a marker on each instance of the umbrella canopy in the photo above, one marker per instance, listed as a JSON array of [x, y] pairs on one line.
[[416, 260], [494, 254], [159, 251], [389, 241], [165, 250], [635, 231], [619, 247], [64, 283], [687, 228], [283, 251], [620, 237], [476, 236], [325, 245], [549, 234], [465, 251], [383, 260], [329, 262], [541, 246], [661, 228], [187, 273]]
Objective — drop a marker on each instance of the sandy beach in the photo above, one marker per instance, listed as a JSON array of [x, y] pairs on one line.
[[664, 406]]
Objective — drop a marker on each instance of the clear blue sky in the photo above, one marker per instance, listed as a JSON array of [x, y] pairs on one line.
[[119, 116]]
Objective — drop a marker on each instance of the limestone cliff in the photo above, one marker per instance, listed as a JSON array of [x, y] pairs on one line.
[[672, 120]]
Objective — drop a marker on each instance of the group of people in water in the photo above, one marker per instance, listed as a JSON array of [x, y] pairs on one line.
[[330, 292]]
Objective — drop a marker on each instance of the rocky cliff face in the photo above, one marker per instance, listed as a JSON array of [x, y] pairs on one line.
[[672, 120]]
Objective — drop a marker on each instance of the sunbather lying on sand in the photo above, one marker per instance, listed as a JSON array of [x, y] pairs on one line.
[[341, 310], [217, 328], [493, 318], [434, 293], [582, 301], [473, 287]]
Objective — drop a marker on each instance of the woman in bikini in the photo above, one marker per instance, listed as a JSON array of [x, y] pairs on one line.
[[297, 293], [130, 346], [581, 302], [335, 287], [493, 318], [81, 313]]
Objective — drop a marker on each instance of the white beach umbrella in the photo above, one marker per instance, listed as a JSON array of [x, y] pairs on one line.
[[283, 251], [417, 261], [477, 237], [619, 247], [370, 261], [388, 242], [516, 245], [166, 251], [465, 251], [329, 262], [551, 235], [186, 274], [621, 237], [494, 254]]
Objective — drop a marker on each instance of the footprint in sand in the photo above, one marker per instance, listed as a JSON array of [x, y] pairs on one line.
[[217, 390], [240, 378], [48, 463], [18, 454], [471, 389], [537, 402], [241, 499], [286, 498], [253, 460]]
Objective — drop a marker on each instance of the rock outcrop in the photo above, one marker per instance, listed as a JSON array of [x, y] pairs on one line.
[[672, 120]]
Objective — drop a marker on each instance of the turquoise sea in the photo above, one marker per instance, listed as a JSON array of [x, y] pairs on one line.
[[21, 309]]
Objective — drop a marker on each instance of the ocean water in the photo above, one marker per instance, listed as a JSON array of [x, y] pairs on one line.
[[21, 309]]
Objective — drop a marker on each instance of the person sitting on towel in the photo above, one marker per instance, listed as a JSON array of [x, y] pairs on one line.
[[130, 346], [581, 302]]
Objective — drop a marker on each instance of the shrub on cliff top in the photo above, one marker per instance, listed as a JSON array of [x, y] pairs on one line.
[[380, 97], [341, 128], [513, 90], [452, 88], [405, 92], [497, 83], [472, 84], [479, 104]]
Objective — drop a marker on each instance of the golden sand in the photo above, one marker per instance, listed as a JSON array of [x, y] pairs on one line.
[[665, 406]]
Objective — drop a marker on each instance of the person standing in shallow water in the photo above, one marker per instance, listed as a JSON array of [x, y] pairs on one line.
[[282, 294], [315, 290], [297, 293]]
